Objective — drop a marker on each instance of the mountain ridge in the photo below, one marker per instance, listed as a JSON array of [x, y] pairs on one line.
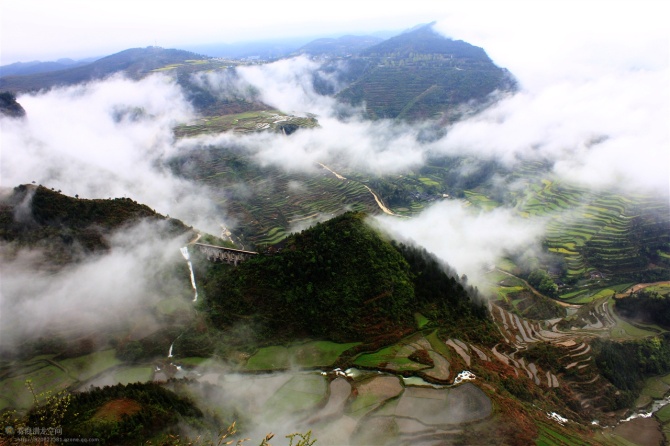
[[437, 75], [37, 66], [135, 62], [340, 46], [33, 215]]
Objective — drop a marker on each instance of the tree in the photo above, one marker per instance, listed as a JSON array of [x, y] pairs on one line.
[[540, 280], [131, 352]]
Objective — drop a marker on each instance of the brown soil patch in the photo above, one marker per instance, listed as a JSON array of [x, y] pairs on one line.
[[422, 357], [383, 386], [642, 431], [114, 410], [638, 287]]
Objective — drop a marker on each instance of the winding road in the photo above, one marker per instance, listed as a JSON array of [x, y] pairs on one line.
[[377, 199]]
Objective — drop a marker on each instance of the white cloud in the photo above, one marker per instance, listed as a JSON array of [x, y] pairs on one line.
[[542, 42], [602, 133], [105, 139], [104, 292], [287, 85], [469, 240], [594, 99]]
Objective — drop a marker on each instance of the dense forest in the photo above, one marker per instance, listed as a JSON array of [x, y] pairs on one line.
[[61, 225], [646, 306], [627, 364], [340, 280], [120, 414]]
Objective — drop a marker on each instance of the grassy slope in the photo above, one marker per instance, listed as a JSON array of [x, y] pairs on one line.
[[271, 201]]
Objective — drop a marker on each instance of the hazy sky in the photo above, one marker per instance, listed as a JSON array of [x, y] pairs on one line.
[[76, 28], [47, 30]]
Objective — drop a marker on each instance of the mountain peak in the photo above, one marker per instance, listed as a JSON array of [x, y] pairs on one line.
[[425, 40], [420, 26], [437, 75]]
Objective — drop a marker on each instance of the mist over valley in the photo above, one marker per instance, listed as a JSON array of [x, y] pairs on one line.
[[442, 235]]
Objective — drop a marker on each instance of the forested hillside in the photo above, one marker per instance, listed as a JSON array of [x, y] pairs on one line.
[[63, 226], [339, 280]]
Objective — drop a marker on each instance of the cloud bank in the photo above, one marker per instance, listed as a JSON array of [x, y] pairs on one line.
[[592, 105], [105, 139], [594, 99], [470, 240], [596, 113], [106, 292], [598, 116]]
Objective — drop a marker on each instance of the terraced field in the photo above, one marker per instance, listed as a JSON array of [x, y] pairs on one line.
[[197, 65], [598, 239], [550, 436], [46, 373], [248, 122], [599, 234], [575, 368], [272, 202], [311, 354]]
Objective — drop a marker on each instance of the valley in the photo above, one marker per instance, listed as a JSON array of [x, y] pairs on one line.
[[425, 382], [341, 246]]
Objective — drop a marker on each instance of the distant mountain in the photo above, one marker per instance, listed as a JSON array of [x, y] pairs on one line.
[[261, 50], [425, 40], [340, 46], [418, 74], [9, 106], [421, 74], [134, 62], [36, 66]]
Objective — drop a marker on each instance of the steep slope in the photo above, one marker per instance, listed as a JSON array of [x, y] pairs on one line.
[[436, 74], [408, 320], [339, 280]]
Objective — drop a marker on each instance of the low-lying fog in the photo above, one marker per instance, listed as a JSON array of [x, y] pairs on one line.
[[597, 113]]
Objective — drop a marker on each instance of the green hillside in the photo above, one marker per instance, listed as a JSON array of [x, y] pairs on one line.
[[63, 226], [339, 280], [593, 237], [339, 294], [269, 200], [119, 414], [436, 74]]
